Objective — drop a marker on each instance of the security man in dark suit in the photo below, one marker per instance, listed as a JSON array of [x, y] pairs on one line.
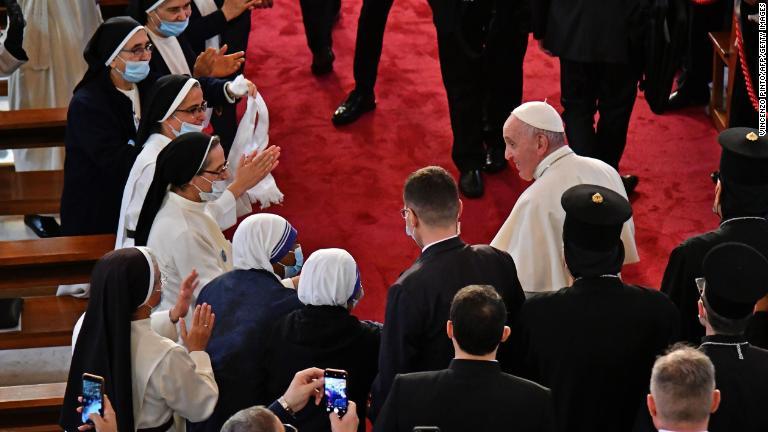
[[472, 394], [735, 278], [741, 201], [418, 303], [596, 41], [594, 343]]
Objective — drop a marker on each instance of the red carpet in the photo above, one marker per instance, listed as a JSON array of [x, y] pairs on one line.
[[343, 186]]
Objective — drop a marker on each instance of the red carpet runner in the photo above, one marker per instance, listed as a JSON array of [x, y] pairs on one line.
[[343, 186]]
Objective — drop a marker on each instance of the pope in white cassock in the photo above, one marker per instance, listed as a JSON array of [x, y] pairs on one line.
[[533, 232]]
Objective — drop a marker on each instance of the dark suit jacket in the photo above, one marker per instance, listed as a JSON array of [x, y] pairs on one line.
[[685, 265], [418, 305], [593, 344], [743, 385], [470, 395], [590, 31], [101, 148], [233, 33], [324, 337]]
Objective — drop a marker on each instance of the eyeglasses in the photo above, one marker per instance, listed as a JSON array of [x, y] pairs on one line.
[[701, 285], [195, 109], [715, 176], [404, 212], [139, 51], [290, 428], [220, 171]]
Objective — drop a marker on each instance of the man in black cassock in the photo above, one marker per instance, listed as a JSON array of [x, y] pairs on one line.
[[735, 278], [741, 200], [598, 43], [594, 343], [418, 303]]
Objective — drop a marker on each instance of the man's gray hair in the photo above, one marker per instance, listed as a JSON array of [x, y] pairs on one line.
[[556, 139], [253, 419], [682, 384]]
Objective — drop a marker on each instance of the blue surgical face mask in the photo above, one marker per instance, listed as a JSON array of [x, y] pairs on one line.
[[218, 187], [172, 28], [135, 71], [186, 128], [293, 270]]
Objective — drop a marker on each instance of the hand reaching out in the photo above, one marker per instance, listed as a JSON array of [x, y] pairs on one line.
[[253, 168], [200, 331], [217, 63]]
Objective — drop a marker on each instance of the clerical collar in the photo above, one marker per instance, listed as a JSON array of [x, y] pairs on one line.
[[551, 160], [727, 221], [424, 249]]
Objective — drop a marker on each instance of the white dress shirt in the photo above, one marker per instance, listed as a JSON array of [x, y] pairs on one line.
[[533, 232]]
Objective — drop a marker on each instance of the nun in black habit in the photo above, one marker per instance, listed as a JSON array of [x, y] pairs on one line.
[[594, 343], [741, 200], [102, 119], [147, 377], [167, 28]]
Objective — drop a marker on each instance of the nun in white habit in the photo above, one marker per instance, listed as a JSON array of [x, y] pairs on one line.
[[149, 379], [174, 222], [176, 106]]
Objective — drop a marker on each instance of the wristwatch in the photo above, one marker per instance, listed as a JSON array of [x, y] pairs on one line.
[[283, 403]]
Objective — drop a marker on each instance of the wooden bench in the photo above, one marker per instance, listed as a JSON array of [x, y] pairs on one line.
[[31, 408], [45, 322], [51, 261], [31, 192], [725, 55], [32, 128]]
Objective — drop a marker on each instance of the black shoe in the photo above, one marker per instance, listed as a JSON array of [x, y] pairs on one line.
[[630, 183], [683, 98], [322, 61], [494, 161], [351, 109], [471, 184], [43, 226]]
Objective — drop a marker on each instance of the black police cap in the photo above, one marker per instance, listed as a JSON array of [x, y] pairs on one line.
[[737, 277]]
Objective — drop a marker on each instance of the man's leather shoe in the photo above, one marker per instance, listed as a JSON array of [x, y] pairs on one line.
[[351, 109], [43, 226], [322, 61], [683, 98], [471, 184], [630, 183], [494, 161]]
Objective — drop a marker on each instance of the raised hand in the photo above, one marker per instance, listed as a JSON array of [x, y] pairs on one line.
[[234, 8], [216, 63], [188, 287], [252, 168], [200, 331]]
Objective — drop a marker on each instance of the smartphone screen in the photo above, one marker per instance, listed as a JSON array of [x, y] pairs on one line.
[[92, 396], [336, 391]]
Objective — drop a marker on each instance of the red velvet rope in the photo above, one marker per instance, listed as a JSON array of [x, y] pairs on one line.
[[745, 67]]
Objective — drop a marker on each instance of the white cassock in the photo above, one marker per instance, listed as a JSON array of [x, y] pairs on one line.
[[191, 394], [185, 237], [533, 232], [224, 210], [54, 38]]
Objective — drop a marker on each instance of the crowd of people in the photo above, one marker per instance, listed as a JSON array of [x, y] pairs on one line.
[[535, 332]]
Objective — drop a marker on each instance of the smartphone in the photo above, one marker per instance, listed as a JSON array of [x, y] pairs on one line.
[[93, 396], [336, 391]]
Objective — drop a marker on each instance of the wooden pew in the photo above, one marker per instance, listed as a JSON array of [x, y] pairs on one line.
[[724, 55], [32, 128], [51, 261], [45, 322], [31, 408], [32, 192]]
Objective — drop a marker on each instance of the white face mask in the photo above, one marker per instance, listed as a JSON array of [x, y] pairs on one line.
[[218, 187], [186, 127]]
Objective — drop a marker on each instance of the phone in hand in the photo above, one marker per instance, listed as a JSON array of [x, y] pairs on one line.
[[336, 391], [93, 396]]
